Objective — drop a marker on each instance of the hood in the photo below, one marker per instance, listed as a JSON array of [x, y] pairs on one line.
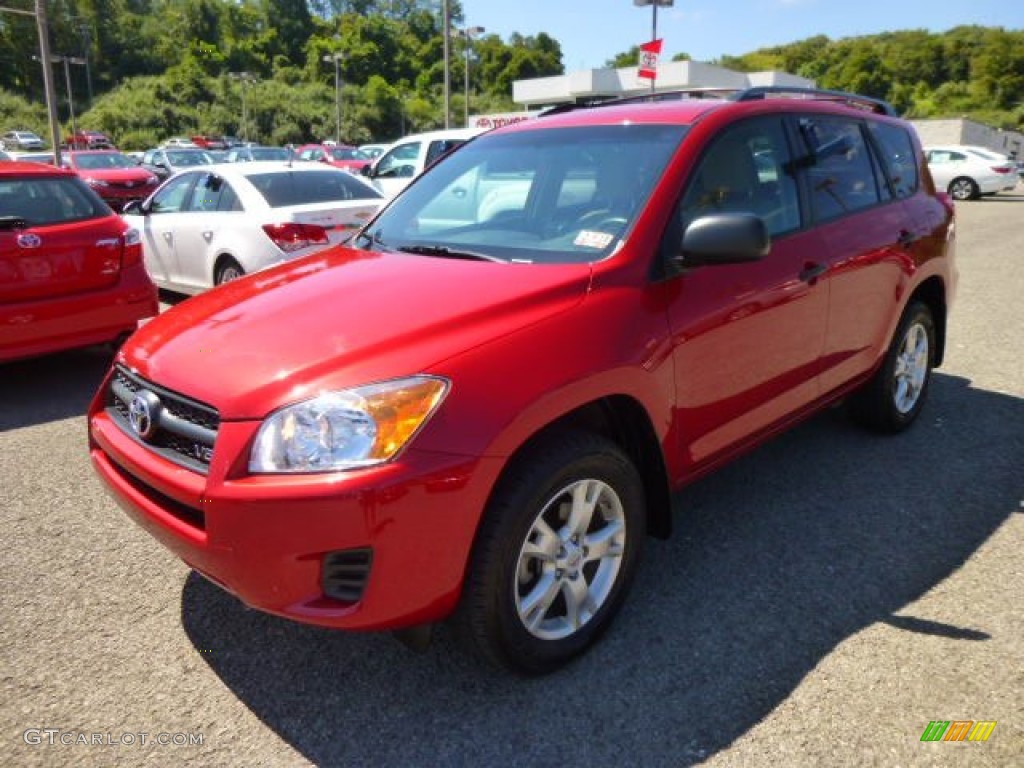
[[117, 175], [340, 318]]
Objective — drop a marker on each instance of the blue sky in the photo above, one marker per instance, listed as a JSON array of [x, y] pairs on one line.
[[593, 31]]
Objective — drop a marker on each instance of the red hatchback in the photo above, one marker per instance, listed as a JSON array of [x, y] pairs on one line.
[[71, 271], [114, 176], [479, 407]]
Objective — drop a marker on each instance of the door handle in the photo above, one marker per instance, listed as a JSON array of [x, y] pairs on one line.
[[812, 271]]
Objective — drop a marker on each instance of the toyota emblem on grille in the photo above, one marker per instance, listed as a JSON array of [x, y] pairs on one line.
[[144, 413], [29, 240]]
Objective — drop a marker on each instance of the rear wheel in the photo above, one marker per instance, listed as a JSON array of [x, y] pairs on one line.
[[555, 555], [963, 188], [894, 396], [228, 270]]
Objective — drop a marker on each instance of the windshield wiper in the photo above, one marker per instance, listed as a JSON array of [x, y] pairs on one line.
[[448, 253], [12, 222], [367, 240]]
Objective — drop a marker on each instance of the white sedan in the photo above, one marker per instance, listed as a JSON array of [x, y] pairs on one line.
[[212, 224], [967, 172]]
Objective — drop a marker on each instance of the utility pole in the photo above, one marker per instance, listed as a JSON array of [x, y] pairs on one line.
[[44, 56]]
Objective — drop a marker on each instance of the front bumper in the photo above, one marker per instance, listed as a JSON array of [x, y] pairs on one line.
[[266, 538]]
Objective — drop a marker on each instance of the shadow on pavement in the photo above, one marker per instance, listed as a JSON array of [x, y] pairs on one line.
[[776, 560], [50, 388]]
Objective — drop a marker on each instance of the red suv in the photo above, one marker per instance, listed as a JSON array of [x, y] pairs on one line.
[[480, 408], [71, 271]]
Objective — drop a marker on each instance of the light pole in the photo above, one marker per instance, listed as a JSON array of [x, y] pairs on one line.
[[246, 79], [67, 80], [446, 35], [469, 34], [57, 59], [336, 58], [654, 18]]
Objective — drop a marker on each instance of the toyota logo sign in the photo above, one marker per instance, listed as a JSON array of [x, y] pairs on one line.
[[144, 413]]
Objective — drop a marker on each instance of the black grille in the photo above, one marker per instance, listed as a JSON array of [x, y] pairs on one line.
[[185, 430], [345, 574]]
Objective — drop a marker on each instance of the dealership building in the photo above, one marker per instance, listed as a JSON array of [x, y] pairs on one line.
[[599, 84], [587, 85]]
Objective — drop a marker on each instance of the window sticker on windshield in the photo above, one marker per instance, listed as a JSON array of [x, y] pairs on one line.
[[590, 239]]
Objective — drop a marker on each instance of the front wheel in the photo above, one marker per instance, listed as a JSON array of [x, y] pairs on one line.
[[555, 555], [894, 396]]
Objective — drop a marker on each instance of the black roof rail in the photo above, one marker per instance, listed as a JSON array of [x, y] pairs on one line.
[[674, 95], [736, 94], [850, 99]]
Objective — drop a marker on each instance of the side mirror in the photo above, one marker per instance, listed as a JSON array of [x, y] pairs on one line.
[[367, 171], [133, 207], [724, 238]]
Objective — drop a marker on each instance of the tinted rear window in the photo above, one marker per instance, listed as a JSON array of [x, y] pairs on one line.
[[50, 200], [294, 188]]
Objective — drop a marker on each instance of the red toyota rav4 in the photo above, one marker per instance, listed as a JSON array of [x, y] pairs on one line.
[[480, 408]]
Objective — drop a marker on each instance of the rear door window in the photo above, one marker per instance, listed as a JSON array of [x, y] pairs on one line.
[[897, 150], [839, 167]]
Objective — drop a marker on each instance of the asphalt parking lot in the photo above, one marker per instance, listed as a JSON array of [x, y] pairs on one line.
[[823, 600]]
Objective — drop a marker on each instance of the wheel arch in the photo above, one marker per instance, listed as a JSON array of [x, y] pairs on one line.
[[932, 292], [623, 420], [222, 258]]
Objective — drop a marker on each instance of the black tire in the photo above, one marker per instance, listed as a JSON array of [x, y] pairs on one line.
[[964, 188], [895, 395], [228, 270], [516, 558]]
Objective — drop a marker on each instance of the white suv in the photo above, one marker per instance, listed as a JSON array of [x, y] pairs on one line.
[[407, 158]]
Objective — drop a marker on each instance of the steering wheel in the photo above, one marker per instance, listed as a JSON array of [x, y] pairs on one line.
[[602, 220]]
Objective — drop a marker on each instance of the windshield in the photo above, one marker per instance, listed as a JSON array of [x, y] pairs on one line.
[[184, 158], [270, 153], [347, 153], [554, 195], [100, 161]]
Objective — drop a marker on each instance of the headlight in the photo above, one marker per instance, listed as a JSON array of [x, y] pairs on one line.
[[96, 182], [347, 429]]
